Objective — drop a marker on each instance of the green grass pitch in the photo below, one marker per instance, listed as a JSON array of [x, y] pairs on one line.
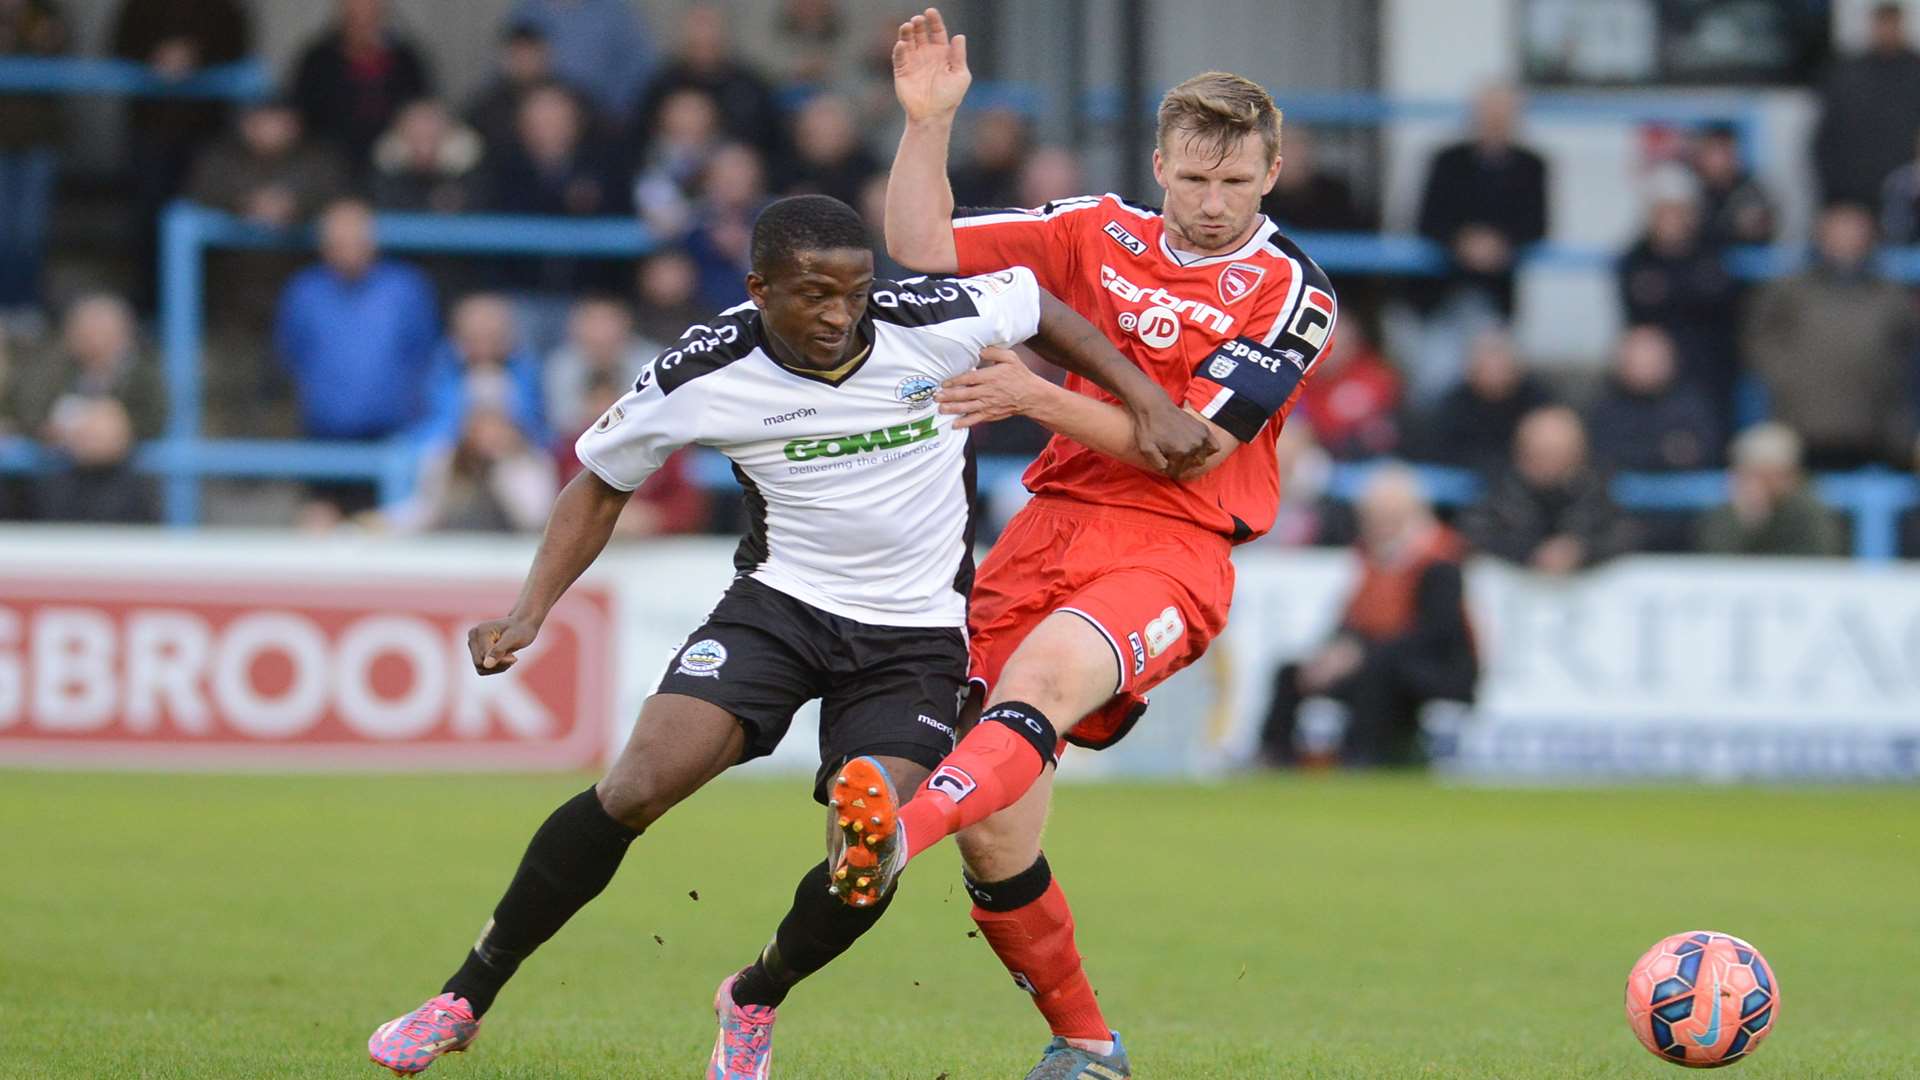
[[187, 926]]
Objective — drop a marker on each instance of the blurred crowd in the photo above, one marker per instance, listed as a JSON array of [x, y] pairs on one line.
[[494, 364]]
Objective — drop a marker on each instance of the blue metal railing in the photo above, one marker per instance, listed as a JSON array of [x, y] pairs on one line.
[[245, 80]]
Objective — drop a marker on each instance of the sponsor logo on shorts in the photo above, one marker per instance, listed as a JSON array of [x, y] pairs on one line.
[[1139, 653], [952, 782], [703, 659], [1125, 239], [944, 729], [916, 391], [1164, 631], [798, 414]]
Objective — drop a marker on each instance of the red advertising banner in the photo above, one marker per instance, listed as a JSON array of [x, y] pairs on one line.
[[254, 671]]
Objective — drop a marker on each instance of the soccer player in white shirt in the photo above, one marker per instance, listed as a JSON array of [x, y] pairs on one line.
[[851, 587]]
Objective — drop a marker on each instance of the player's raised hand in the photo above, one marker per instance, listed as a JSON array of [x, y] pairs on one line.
[[930, 73], [495, 645], [1000, 387]]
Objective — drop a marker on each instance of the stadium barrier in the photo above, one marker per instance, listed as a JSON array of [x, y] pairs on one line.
[[159, 650]]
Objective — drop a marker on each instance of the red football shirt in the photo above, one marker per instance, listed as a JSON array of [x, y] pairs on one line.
[[1234, 336]]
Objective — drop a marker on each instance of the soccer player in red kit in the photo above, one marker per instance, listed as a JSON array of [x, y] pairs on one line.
[[1111, 579]]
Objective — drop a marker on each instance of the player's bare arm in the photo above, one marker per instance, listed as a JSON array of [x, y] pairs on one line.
[[930, 78], [577, 531], [1160, 433], [1004, 386]]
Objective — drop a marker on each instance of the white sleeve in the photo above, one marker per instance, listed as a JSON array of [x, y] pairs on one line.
[[640, 431], [1009, 305]]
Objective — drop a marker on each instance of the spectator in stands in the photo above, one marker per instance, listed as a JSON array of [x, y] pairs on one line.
[[705, 60], [1474, 423], [668, 503], [1403, 640], [802, 42], [1769, 510], [483, 360], [1551, 510], [29, 134], [686, 132], [667, 287], [600, 342], [1647, 420], [267, 171], [732, 194], [1000, 139], [1485, 199], [1676, 278], [355, 335], [553, 169], [1308, 198], [599, 46], [1833, 346], [355, 77], [1050, 172], [1735, 207], [526, 62], [427, 162], [1308, 516], [1869, 112], [1353, 399], [828, 156], [176, 39], [90, 404], [1900, 202], [484, 440]]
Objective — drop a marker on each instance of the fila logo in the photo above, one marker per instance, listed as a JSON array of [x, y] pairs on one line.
[[1239, 279], [1126, 239], [1164, 631], [1139, 653], [1314, 319], [952, 782]]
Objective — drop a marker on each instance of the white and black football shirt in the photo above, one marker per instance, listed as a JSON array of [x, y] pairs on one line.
[[858, 488]]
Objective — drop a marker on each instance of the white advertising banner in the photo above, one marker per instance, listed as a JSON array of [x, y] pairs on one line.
[[152, 649], [1649, 666]]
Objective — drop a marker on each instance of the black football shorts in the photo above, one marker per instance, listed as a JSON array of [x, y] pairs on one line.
[[883, 690]]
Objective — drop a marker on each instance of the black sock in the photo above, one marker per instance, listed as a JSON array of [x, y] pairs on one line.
[[817, 929], [572, 857]]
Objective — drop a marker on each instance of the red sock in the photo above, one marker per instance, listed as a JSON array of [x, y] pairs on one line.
[[991, 768], [1035, 942]]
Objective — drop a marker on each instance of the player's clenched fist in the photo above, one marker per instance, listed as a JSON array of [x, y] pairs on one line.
[[1173, 438], [494, 645], [930, 73]]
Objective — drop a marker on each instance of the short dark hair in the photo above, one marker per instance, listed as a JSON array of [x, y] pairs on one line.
[[524, 32], [805, 223]]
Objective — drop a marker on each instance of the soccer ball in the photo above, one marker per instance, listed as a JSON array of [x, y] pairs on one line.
[[1702, 999]]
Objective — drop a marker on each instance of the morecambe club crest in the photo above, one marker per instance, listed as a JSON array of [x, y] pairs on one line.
[[1239, 279]]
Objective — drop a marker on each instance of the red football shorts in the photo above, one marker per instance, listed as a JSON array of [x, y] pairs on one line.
[[1156, 587]]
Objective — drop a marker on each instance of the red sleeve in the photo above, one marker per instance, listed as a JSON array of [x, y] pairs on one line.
[[1044, 240]]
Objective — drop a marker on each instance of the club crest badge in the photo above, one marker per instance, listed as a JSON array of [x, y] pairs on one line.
[[1238, 280]]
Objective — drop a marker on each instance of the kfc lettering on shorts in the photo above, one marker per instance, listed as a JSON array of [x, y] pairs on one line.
[[236, 673]]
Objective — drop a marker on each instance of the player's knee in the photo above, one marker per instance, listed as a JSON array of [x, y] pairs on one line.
[[634, 795], [996, 849]]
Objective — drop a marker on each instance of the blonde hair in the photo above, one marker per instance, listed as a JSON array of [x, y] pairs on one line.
[[1214, 110]]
